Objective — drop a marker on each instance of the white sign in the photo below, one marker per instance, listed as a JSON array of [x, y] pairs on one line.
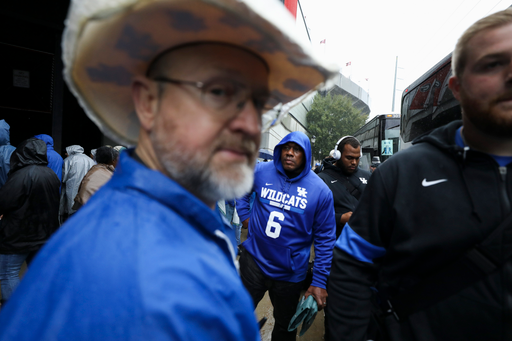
[[387, 147], [21, 79]]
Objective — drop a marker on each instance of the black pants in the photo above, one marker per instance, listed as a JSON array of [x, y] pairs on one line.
[[283, 295]]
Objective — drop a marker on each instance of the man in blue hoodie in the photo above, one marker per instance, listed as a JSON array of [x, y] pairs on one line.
[[5, 151], [293, 209], [55, 161]]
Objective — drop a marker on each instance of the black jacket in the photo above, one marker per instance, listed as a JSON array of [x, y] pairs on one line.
[[343, 201], [29, 200], [407, 225]]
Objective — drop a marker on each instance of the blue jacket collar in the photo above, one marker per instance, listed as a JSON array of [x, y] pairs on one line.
[[132, 174]]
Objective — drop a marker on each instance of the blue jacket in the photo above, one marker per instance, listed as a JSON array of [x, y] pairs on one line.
[[287, 216], [5, 151], [55, 161], [143, 260]]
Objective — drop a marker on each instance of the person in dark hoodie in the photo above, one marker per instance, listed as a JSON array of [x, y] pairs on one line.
[[29, 203], [55, 161], [345, 179], [293, 208], [5, 151], [423, 224]]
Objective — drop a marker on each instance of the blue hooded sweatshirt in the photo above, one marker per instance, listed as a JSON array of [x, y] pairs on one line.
[[5, 151], [55, 161], [287, 216]]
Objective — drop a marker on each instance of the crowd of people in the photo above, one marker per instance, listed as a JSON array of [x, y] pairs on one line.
[[39, 191], [417, 250]]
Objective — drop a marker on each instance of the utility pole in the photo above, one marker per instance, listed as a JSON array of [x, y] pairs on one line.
[[394, 86]]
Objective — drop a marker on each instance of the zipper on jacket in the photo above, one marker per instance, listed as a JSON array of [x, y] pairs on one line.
[[507, 268], [505, 202]]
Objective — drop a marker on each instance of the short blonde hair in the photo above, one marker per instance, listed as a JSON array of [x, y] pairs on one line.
[[459, 56]]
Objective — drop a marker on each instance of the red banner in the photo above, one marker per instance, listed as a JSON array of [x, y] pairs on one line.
[[292, 7]]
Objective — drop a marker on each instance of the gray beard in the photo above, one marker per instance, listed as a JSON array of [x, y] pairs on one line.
[[196, 174]]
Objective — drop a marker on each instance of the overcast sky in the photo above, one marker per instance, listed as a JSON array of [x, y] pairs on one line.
[[371, 33]]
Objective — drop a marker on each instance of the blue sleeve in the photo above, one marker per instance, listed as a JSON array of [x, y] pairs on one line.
[[324, 230], [357, 247], [244, 204], [242, 207], [5, 162]]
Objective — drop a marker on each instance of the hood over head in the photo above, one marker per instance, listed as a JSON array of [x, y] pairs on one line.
[[74, 149], [5, 137], [29, 152], [47, 139], [302, 140]]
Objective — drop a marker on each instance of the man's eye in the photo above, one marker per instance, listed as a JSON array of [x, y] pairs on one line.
[[220, 90], [493, 65]]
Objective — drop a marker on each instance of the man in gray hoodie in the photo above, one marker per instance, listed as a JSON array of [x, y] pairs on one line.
[[76, 165]]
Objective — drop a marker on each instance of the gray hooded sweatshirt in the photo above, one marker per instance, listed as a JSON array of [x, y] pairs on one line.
[[76, 165]]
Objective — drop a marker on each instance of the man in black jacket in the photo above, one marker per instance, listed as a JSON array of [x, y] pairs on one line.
[[428, 207], [29, 203], [346, 180]]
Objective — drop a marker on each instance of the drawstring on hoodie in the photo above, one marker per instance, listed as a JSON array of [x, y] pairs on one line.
[[466, 149], [461, 168]]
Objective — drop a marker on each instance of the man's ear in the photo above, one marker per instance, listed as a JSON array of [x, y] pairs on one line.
[[454, 85], [145, 100]]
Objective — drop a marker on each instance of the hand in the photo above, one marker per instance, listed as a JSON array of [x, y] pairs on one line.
[[345, 217], [245, 223], [319, 294]]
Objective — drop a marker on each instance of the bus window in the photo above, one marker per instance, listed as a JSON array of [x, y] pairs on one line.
[[428, 103], [380, 136], [391, 137], [365, 160]]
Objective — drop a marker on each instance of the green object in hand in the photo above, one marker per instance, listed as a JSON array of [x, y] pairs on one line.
[[305, 314]]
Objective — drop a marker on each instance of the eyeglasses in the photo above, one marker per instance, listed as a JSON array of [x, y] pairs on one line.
[[229, 97]]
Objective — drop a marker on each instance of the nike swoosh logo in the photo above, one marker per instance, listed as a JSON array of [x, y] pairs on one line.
[[333, 181], [267, 184], [426, 183]]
